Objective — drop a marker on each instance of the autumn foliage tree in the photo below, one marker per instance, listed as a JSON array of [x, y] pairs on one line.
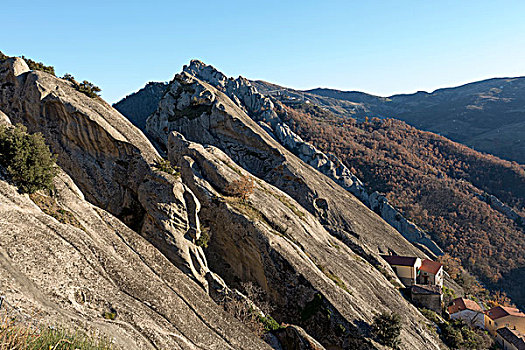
[[241, 188], [436, 183]]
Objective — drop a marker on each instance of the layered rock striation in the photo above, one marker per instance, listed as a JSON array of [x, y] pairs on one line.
[[297, 226]]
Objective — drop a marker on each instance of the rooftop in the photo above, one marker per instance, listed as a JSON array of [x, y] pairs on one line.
[[502, 311], [400, 260], [460, 304], [512, 336], [430, 266]]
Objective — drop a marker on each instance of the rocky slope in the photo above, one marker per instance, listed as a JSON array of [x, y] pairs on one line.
[[320, 233], [261, 109], [130, 242], [486, 115], [74, 272]]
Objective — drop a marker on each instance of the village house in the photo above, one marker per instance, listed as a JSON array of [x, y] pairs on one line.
[[501, 316], [405, 267], [430, 272], [510, 339], [468, 311]]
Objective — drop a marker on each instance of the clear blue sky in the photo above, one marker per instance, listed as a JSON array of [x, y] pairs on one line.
[[380, 47]]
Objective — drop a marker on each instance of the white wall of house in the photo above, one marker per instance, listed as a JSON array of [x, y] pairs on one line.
[[470, 317]]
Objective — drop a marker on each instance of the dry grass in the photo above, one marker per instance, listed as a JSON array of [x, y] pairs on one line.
[[15, 336], [49, 205]]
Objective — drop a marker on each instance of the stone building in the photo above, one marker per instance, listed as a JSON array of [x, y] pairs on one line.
[[427, 296]]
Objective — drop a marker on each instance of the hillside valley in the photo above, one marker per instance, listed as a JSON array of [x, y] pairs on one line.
[[487, 115]]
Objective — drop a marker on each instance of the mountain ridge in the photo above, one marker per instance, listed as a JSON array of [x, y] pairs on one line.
[[485, 115]]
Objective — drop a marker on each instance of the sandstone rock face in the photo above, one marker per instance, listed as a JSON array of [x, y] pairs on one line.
[[129, 244], [72, 275], [299, 236], [270, 240], [111, 161], [262, 109], [205, 115]]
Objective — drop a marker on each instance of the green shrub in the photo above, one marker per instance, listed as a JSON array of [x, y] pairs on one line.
[[85, 87], [89, 89], [108, 315], [2, 56], [457, 335], [269, 323], [27, 159], [33, 65], [204, 238], [387, 328], [164, 165]]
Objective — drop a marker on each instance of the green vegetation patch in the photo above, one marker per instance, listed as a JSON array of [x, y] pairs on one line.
[[25, 338], [386, 329], [165, 166], [27, 159], [33, 65], [269, 323], [457, 335], [85, 87], [204, 238]]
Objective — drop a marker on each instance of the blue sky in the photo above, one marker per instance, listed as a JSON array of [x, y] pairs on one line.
[[380, 47]]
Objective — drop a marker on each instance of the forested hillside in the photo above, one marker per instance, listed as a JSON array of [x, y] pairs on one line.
[[437, 183]]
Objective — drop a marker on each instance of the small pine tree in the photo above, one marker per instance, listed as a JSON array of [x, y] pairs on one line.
[[387, 328], [85, 87], [89, 89], [33, 65], [27, 159]]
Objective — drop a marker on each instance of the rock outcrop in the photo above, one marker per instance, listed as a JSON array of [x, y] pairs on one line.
[[111, 161], [312, 235], [270, 240], [503, 208], [261, 109], [126, 234], [75, 274]]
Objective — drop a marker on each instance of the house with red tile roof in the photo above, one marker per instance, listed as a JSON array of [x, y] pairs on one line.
[[468, 311], [502, 316], [431, 272]]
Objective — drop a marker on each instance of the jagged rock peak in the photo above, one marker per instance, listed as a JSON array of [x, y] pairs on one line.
[[207, 73]]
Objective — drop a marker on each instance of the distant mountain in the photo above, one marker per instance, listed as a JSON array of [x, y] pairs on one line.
[[488, 115], [145, 102]]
